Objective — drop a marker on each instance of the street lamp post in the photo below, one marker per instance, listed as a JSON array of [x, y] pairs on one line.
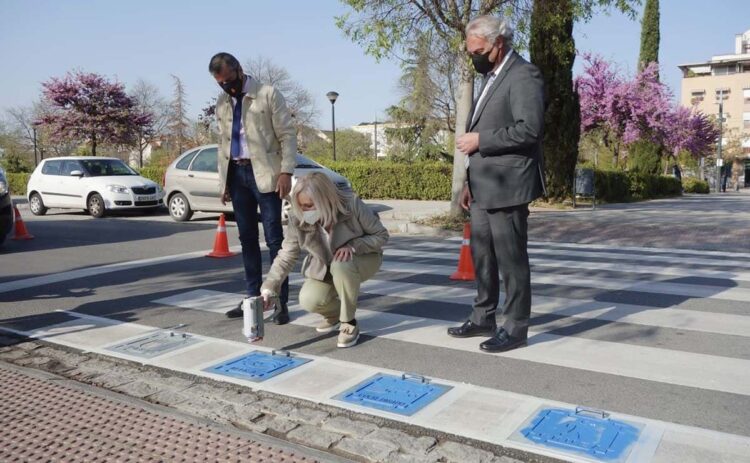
[[719, 160], [332, 98]]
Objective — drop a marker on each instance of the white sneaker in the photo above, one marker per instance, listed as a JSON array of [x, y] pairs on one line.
[[348, 335], [327, 326]]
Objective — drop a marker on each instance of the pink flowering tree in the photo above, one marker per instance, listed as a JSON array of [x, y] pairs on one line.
[[86, 107], [625, 111]]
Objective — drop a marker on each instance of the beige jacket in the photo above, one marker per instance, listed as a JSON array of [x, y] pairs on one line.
[[269, 131], [360, 229]]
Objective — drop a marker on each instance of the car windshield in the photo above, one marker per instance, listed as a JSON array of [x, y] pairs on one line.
[[106, 167]]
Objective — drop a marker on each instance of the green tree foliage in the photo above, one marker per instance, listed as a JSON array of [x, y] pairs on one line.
[[649, 34], [350, 145], [385, 27], [644, 157], [553, 51]]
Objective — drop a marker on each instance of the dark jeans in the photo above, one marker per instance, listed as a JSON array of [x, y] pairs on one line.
[[245, 201]]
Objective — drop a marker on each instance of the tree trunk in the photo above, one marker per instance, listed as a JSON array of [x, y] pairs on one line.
[[463, 106], [552, 49], [93, 144]]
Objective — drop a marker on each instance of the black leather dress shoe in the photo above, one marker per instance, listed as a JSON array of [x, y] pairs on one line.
[[502, 342], [469, 329], [236, 312], [281, 315]]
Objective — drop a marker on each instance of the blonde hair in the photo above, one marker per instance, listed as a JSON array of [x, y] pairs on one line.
[[328, 199]]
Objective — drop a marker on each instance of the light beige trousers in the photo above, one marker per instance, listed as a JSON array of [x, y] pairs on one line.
[[336, 298]]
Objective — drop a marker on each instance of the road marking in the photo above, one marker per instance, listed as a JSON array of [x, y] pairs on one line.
[[99, 270], [455, 412], [689, 369], [611, 284]]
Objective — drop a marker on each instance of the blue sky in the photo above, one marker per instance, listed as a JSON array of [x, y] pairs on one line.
[[133, 39]]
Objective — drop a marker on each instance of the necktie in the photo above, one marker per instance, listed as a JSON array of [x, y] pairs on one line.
[[234, 149]]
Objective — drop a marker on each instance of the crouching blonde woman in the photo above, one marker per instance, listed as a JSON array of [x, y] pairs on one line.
[[344, 240]]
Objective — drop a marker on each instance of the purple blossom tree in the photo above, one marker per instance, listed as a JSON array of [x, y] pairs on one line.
[[86, 107], [624, 111]]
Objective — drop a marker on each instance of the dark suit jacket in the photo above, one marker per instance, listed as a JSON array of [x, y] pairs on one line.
[[508, 169]]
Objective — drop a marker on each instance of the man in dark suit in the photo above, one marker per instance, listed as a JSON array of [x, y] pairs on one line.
[[503, 148]]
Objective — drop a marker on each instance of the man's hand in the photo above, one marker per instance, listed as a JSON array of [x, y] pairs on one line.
[[465, 200], [468, 143], [225, 198], [343, 254], [284, 185]]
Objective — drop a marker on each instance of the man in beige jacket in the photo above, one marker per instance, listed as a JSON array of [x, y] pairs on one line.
[[257, 152]]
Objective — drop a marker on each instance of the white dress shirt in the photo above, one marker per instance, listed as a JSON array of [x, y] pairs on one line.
[[244, 151]]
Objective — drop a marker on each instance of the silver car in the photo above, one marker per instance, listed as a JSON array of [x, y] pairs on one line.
[[191, 182]]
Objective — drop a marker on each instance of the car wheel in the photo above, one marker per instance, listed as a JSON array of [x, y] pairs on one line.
[[179, 208], [36, 205], [96, 206]]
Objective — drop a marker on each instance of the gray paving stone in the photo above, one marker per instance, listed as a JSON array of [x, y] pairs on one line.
[[275, 407], [307, 415], [69, 358], [277, 424], [407, 443], [244, 416], [27, 346], [168, 397], [454, 452], [56, 366], [12, 355], [409, 458], [111, 380], [205, 408], [233, 396], [138, 389], [313, 436], [348, 426], [33, 361], [504, 459], [369, 450]]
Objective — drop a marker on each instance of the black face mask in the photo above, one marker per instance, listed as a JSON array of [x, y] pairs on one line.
[[482, 62], [234, 87]]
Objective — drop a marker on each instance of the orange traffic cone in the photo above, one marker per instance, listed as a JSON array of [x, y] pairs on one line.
[[465, 271], [221, 244], [21, 233]]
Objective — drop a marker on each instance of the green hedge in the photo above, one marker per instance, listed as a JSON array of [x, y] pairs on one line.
[[616, 186], [18, 183], [693, 185], [154, 173], [391, 180]]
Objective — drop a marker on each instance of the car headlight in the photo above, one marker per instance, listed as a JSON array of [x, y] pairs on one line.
[[117, 188]]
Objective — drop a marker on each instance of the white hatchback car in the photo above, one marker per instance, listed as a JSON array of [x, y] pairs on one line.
[[94, 184], [191, 182]]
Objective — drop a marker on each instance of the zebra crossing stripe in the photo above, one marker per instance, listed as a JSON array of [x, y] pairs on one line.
[[647, 363]]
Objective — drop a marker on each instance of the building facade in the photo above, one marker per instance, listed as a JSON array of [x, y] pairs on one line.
[[727, 78]]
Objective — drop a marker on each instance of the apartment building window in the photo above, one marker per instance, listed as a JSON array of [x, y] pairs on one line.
[[746, 95], [746, 120], [697, 96], [725, 70]]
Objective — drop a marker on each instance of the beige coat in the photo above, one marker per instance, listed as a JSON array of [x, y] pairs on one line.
[[360, 229], [269, 131]]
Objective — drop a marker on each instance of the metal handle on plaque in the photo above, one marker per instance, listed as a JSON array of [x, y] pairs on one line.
[[414, 376], [592, 411]]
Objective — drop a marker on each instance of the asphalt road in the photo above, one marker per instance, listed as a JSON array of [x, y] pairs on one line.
[[658, 333]]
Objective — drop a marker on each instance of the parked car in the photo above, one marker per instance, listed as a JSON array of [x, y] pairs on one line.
[[191, 182], [6, 208], [94, 184]]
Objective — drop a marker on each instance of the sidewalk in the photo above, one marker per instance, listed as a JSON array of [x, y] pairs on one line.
[[47, 418]]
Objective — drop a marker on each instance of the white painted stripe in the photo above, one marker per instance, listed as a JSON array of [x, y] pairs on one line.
[[684, 261], [642, 249], [648, 363], [675, 270], [454, 412], [100, 270], [611, 284]]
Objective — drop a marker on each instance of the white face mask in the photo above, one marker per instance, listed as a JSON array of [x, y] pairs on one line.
[[311, 217]]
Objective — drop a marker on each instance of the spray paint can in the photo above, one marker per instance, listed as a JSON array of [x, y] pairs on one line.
[[252, 318]]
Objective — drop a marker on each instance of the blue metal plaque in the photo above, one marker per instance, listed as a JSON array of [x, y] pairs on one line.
[[404, 395], [587, 432], [258, 366]]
